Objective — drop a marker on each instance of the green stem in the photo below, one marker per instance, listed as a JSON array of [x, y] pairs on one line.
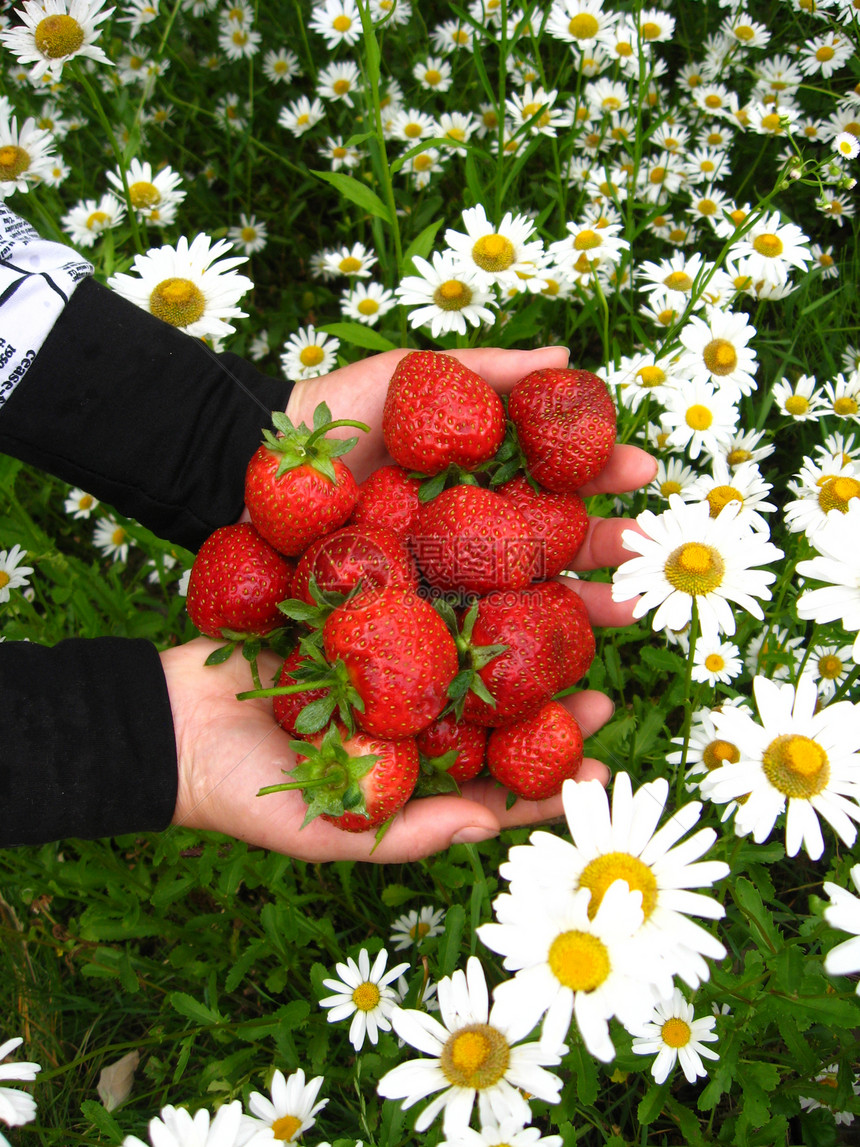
[[688, 707]]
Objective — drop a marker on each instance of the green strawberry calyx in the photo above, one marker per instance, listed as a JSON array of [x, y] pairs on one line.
[[301, 446], [327, 777], [472, 658]]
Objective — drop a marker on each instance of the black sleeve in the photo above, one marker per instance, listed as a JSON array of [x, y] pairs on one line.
[[141, 416], [88, 743]]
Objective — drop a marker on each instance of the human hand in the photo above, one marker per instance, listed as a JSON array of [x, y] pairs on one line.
[[229, 749]]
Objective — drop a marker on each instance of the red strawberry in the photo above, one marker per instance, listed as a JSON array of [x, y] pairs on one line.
[[296, 486], [559, 601], [473, 540], [236, 583], [438, 413], [533, 757], [559, 520], [288, 706], [565, 424], [528, 671], [399, 658], [388, 497], [373, 555], [354, 782], [465, 743]]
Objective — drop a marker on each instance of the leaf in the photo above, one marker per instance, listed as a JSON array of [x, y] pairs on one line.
[[357, 334], [662, 659], [423, 242], [652, 1103], [585, 1072], [194, 1009], [766, 935], [357, 192], [101, 1118], [449, 949], [393, 895]]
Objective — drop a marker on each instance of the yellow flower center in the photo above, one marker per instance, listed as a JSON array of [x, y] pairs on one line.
[[768, 245], [341, 23], [796, 405], [366, 996], [340, 87], [650, 30], [744, 33], [650, 375], [248, 234], [349, 265], [118, 536], [737, 457], [601, 872], [422, 162], [829, 666], [239, 37], [338, 153], [419, 931], [368, 307], [706, 207], [144, 195], [717, 753], [58, 35], [720, 496], [476, 1056], [824, 53], [452, 295], [85, 501], [694, 569], [586, 240], [433, 77], [698, 417], [14, 161], [720, 357], [455, 133], [286, 1127], [302, 119], [493, 252], [460, 36], [667, 316], [97, 220], [678, 281], [579, 961], [583, 26], [770, 122], [4, 579], [670, 487], [657, 175], [836, 493], [311, 355], [715, 663], [676, 1032], [177, 301], [845, 405], [796, 765]]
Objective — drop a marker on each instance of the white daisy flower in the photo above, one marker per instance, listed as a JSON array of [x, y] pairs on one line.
[[79, 504], [771, 247], [471, 1054], [446, 295], [285, 1116], [716, 661], [281, 65], [705, 751], [433, 74], [801, 400], [337, 21], [452, 36], [743, 485], [746, 447], [673, 477], [571, 959], [26, 155], [687, 556], [842, 396], [309, 353], [524, 106], [52, 32], [301, 115], [843, 914], [189, 286], [90, 218], [773, 652], [837, 566], [821, 488], [677, 1037], [393, 12], [716, 347], [112, 539], [365, 994], [587, 247], [841, 445], [508, 1133], [339, 81], [16, 1107], [698, 417], [641, 377], [249, 235], [138, 13], [456, 128], [798, 760], [580, 22], [176, 1127], [416, 925], [339, 155], [12, 574], [154, 196], [367, 302], [238, 41], [825, 54], [496, 255], [828, 666], [829, 1078], [836, 206], [355, 261], [672, 279]]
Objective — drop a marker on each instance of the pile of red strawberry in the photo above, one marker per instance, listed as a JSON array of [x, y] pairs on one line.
[[425, 639]]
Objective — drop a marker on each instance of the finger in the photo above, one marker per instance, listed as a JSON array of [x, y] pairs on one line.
[[502, 368], [628, 468], [589, 708], [603, 611], [603, 544]]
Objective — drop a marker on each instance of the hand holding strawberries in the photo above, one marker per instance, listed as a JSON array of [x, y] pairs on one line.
[[458, 432]]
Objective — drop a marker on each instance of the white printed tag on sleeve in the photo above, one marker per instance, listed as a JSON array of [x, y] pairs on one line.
[[37, 278]]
